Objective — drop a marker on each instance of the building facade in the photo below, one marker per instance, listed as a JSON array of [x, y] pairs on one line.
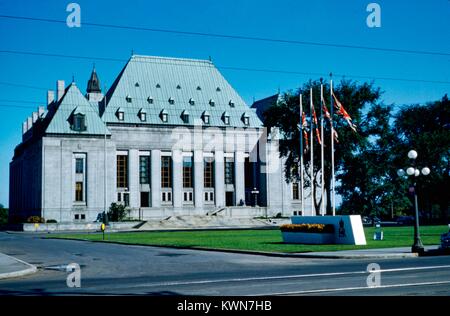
[[170, 137]]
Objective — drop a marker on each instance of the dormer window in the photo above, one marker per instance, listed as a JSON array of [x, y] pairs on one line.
[[191, 101], [136, 84], [212, 103], [205, 117], [120, 114], [79, 122], [226, 118], [171, 100], [185, 117], [199, 88], [245, 119], [163, 115], [178, 87], [231, 103], [150, 100], [218, 89], [142, 115], [128, 98], [158, 85]]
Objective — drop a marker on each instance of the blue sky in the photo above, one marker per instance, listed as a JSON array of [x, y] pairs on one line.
[[413, 25]]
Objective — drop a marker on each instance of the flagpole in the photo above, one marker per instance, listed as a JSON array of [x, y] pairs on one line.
[[301, 154], [313, 210], [322, 204], [333, 197]]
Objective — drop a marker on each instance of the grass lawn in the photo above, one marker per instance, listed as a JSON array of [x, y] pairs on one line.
[[260, 240]]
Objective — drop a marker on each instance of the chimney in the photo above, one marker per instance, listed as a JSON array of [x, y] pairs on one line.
[[50, 97], [29, 122], [35, 117], [24, 127], [41, 111], [59, 89]]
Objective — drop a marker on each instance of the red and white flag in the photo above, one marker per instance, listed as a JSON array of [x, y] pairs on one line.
[[325, 112], [341, 110], [305, 133], [335, 134], [316, 125]]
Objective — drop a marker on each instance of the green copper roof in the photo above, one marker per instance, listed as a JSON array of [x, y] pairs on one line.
[[175, 85], [72, 103]]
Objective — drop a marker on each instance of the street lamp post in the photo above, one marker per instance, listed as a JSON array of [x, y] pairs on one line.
[[413, 172]]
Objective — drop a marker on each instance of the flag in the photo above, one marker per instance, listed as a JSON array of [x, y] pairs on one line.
[[305, 133], [315, 123], [325, 110], [340, 110], [335, 134]]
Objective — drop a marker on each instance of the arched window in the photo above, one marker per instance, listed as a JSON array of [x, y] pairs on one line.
[[163, 115], [185, 116], [142, 115], [120, 114], [226, 118], [245, 119]]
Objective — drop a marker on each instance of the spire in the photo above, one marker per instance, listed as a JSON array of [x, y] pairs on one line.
[[93, 83]]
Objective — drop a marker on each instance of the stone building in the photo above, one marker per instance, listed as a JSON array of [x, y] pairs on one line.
[[169, 137]]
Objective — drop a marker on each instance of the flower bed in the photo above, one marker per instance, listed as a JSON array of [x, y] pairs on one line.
[[308, 228], [308, 233]]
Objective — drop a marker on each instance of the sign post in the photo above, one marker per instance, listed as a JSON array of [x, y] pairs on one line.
[[103, 230]]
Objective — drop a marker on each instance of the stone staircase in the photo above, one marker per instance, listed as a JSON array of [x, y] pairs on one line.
[[205, 222]]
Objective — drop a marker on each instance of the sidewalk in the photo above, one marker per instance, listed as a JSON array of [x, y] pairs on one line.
[[381, 253], [11, 267]]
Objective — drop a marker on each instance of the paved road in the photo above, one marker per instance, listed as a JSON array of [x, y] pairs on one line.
[[119, 269]]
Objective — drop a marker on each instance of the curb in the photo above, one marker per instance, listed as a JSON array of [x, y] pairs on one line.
[[262, 253], [31, 269]]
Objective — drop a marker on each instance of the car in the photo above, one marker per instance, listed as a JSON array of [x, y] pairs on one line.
[[445, 241], [405, 220], [366, 220]]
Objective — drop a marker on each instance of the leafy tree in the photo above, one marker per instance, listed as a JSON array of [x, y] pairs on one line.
[[3, 215], [369, 183], [285, 117], [425, 128]]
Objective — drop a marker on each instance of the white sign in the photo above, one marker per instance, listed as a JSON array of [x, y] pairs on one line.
[[348, 229]]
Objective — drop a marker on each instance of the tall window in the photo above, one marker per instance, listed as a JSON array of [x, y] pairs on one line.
[[122, 171], [295, 191], [166, 172], [208, 173], [79, 165], [187, 172], [79, 191], [144, 169], [229, 171]]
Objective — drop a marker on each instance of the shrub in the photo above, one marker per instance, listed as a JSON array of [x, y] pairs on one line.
[[308, 228], [35, 219], [51, 221], [3, 215], [116, 212]]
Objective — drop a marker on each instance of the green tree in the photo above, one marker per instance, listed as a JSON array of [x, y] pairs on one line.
[[369, 183], [3, 215], [285, 117], [426, 128]]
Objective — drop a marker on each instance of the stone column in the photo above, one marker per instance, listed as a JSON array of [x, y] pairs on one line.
[[239, 176], [219, 181], [177, 176], [156, 177], [133, 177], [198, 179]]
